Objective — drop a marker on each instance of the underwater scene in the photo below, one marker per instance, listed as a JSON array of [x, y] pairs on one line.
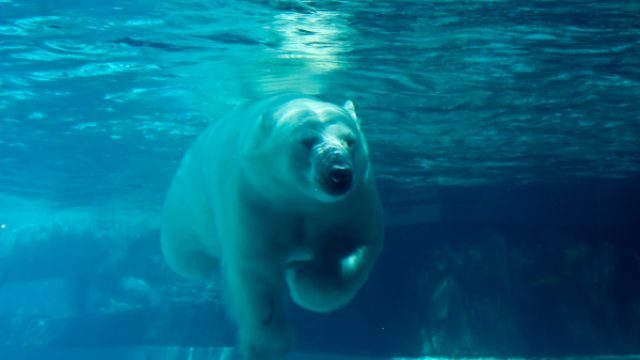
[[329, 179]]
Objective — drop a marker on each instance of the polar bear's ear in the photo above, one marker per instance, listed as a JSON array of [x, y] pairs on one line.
[[348, 105], [261, 125], [258, 134]]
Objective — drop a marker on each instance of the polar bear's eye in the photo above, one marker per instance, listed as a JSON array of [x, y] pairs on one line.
[[350, 142], [309, 140]]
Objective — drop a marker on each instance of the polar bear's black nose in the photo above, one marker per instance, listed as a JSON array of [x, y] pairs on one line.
[[340, 179]]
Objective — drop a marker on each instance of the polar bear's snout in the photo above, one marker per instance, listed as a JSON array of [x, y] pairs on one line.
[[333, 169], [340, 178]]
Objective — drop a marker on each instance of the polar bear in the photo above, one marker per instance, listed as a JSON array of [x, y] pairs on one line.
[[281, 193]]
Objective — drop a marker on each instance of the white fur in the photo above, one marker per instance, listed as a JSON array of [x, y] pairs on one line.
[[247, 196]]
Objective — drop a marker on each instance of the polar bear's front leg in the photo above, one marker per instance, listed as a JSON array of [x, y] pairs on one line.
[[333, 277], [256, 301]]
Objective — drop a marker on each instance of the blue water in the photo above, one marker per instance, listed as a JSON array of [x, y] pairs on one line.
[[100, 100]]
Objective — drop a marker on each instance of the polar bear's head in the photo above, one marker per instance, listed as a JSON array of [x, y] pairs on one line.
[[308, 149]]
